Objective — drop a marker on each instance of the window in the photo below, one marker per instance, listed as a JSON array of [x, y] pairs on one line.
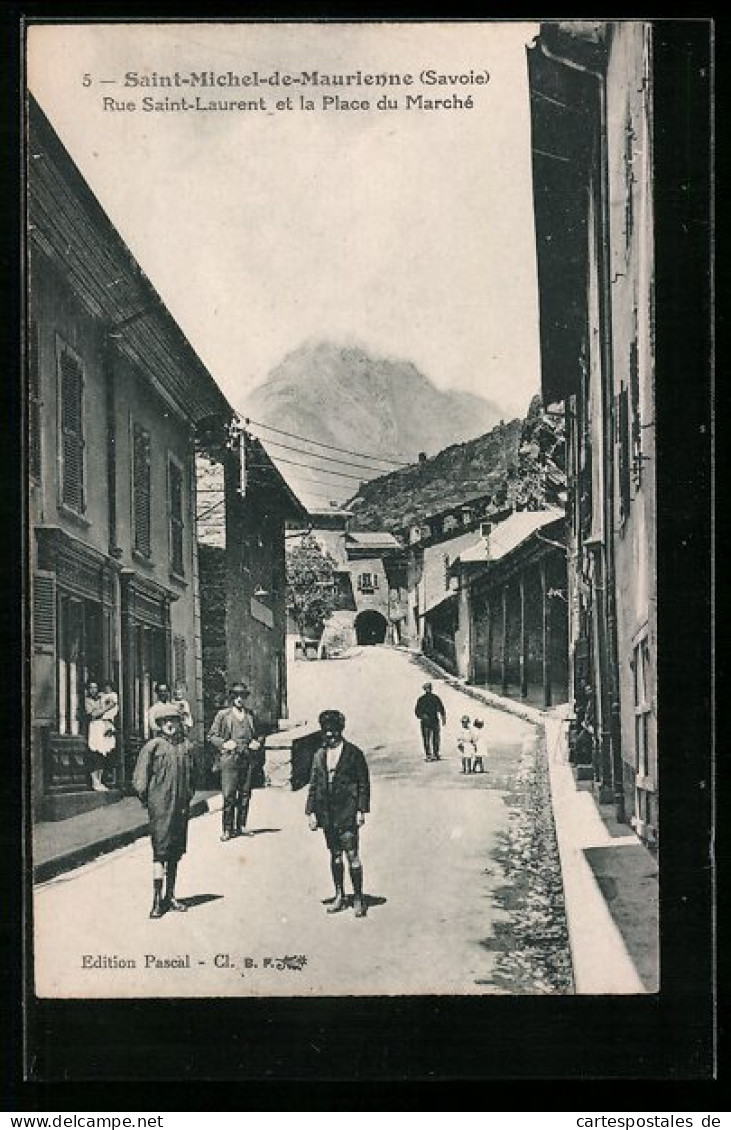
[[175, 508], [641, 663], [141, 517], [367, 582], [34, 403], [71, 397]]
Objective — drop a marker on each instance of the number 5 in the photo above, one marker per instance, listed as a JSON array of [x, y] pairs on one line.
[[86, 80]]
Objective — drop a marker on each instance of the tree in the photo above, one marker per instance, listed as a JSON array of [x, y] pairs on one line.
[[311, 586]]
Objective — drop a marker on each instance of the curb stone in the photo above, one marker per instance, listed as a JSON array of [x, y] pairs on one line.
[[85, 853]]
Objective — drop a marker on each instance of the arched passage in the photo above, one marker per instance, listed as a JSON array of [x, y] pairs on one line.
[[370, 627]]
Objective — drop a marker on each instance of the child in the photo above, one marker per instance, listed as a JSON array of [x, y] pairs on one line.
[[466, 743], [480, 741], [164, 781], [184, 707]]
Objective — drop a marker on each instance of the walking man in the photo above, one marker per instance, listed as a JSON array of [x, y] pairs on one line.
[[430, 711], [233, 734], [337, 802]]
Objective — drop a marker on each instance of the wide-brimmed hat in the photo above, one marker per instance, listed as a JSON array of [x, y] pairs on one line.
[[239, 687]]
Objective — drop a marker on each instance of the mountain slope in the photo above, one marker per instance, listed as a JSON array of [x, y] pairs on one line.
[[520, 465], [343, 396], [461, 472]]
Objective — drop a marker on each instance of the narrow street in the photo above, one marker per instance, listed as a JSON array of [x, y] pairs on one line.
[[461, 873]]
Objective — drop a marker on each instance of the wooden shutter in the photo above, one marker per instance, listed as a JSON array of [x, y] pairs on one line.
[[180, 648], [72, 428], [44, 612], [623, 444], [175, 483], [141, 490], [34, 403], [636, 422]]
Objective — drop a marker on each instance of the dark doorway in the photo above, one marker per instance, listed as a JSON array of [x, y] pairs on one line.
[[370, 628]]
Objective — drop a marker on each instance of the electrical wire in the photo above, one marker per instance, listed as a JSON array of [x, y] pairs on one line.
[[328, 458], [324, 470], [328, 446]]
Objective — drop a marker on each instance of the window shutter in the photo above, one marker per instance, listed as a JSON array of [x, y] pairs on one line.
[[180, 648], [141, 491], [623, 441], [34, 403], [44, 612], [636, 426], [175, 481], [72, 439]]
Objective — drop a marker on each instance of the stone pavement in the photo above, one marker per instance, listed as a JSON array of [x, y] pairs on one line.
[[610, 879], [61, 845]]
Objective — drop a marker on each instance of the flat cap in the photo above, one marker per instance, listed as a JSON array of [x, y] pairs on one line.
[[331, 718]]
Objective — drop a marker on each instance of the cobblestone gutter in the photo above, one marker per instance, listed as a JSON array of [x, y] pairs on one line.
[[531, 939]]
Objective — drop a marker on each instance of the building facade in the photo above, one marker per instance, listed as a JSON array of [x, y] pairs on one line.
[[115, 395], [516, 586], [242, 519], [591, 104]]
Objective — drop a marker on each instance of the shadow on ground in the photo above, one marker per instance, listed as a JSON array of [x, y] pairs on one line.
[[628, 879]]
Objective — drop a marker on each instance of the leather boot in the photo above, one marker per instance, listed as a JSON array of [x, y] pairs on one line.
[[338, 902], [157, 904], [171, 874], [356, 876]]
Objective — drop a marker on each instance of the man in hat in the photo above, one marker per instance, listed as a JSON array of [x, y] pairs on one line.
[[337, 801], [233, 734], [430, 711], [164, 780]]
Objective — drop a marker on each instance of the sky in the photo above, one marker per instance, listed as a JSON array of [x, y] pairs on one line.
[[406, 231]]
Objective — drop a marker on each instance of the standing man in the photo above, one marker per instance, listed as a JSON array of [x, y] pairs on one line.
[[233, 734], [164, 780], [430, 711], [337, 802]]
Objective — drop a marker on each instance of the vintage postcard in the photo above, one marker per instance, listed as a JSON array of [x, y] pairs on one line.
[[340, 356]]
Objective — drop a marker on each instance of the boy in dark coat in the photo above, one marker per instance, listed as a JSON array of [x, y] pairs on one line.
[[164, 781], [337, 801]]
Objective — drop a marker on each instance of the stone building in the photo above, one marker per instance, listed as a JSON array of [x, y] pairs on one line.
[[116, 396], [245, 505], [591, 89]]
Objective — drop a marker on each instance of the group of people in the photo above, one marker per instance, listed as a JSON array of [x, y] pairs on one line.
[[101, 707], [338, 797], [471, 737]]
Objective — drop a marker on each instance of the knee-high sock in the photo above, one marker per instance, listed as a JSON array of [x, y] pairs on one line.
[[171, 872], [336, 866], [356, 877]]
